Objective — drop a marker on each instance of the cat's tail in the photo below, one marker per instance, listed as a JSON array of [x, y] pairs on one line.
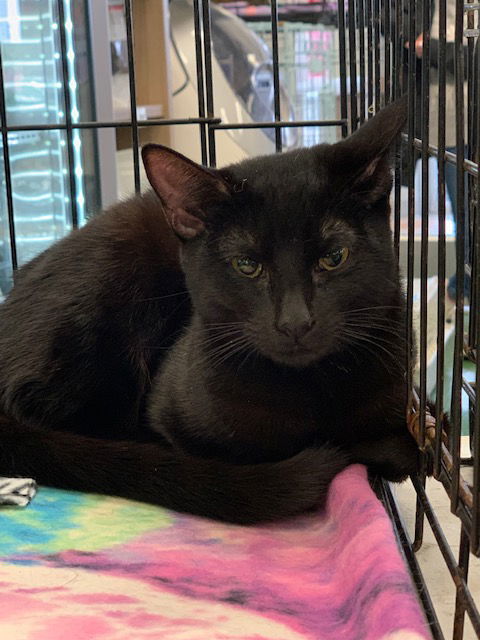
[[154, 473]]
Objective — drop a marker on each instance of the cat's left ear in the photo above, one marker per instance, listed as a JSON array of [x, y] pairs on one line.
[[186, 189], [364, 160]]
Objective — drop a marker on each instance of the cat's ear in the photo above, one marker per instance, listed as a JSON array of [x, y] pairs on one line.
[[364, 160], [185, 188]]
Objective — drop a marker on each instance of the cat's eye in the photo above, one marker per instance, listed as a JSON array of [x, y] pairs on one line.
[[247, 267], [333, 260]]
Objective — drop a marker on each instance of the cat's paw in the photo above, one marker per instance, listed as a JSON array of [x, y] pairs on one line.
[[17, 491], [394, 457]]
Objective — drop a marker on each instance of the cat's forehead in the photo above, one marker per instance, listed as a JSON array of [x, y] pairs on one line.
[[278, 193], [292, 170], [281, 199]]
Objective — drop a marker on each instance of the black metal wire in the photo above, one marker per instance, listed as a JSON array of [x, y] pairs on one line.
[[68, 112], [281, 123], [388, 499], [368, 4], [199, 65], [456, 404], [460, 604], [207, 56], [462, 588], [425, 119], [386, 24], [475, 536], [441, 266], [352, 56], [411, 193], [113, 124], [7, 169], [276, 73], [397, 71], [133, 95], [469, 166], [343, 65], [361, 58], [376, 51]]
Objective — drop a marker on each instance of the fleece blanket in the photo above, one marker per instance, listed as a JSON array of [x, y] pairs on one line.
[[86, 567]]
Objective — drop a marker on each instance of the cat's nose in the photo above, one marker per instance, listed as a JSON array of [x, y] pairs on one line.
[[296, 328], [294, 318]]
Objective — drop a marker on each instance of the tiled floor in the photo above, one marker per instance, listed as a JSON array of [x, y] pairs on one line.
[[436, 574]]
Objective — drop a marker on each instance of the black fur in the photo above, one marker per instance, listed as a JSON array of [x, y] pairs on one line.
[[170, 377]]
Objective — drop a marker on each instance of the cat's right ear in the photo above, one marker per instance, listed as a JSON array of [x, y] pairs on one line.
[[364, 160], [186, 189]]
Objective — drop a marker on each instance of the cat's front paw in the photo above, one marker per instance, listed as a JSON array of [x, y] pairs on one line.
[[17, 491], [394, 457]]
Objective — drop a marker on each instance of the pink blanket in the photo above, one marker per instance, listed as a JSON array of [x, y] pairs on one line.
[[84, 567]]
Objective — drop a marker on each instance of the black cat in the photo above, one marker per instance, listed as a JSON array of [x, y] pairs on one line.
[[228, 363]]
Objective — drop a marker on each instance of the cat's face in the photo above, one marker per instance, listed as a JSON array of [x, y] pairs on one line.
[[294, 263], [290, 255]]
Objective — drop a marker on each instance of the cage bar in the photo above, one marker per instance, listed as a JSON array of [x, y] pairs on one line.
[[199, 67], [456, 404], [68, 112], [7, 169], [343, 65], [133, 95], [352, 57], [276, 72], [207, 56], [441, 239]]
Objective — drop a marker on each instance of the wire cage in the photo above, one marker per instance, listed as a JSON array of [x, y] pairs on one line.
[[335, 64], [309, 69]]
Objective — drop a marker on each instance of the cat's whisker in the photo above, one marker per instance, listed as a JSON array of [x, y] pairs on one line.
[[376, 327], [158, 348], [369, 320], [207, 338], [229, 344], [229, 353], [373, 316], [375, 339], [220, 328], [216, 355], [216, 364], [375, 354], [223, 324], [224, 338], [252, 350], [372, 323], [383, 306], [369, 339], [170, 295], [360, 340]]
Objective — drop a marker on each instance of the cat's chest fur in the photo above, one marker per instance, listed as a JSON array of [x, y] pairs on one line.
[[252, 411], [227, 413]]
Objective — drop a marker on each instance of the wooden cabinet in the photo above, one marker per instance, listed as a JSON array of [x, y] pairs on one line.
[[152, 69]]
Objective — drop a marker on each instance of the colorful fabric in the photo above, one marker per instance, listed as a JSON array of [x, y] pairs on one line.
[[86, 567]]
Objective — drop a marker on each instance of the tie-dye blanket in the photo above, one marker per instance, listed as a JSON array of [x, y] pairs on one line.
[[87, 567]]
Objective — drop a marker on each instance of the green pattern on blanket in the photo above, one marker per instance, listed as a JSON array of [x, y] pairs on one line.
[[57, 520]]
